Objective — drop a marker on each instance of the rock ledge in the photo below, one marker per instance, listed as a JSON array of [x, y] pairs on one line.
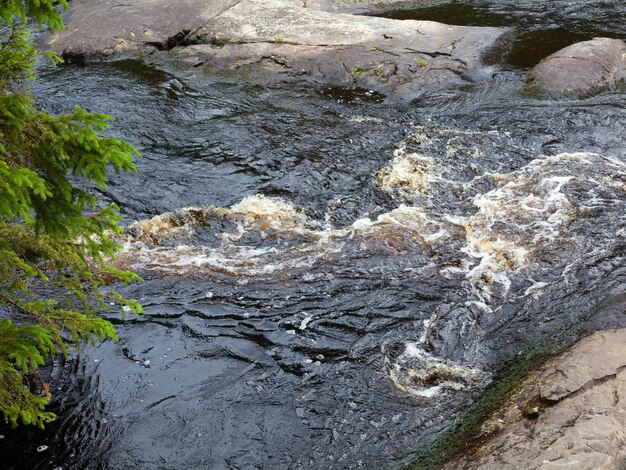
[[281, 40], [572, 413]]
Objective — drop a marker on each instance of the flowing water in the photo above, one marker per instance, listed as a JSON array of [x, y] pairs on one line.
[[539, 28], [329, 278]]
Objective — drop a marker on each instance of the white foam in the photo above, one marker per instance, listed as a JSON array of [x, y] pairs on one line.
[[528, 208], [305, 322], [536, 289], [419, 373], [406, 175]]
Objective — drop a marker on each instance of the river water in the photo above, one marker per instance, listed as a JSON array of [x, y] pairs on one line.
[[330, 278]]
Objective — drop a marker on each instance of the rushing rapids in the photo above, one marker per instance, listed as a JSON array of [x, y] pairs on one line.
[[525, 223], [329, 279]]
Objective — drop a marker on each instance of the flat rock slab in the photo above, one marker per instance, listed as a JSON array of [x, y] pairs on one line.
[[369, 6], [571, 414], [281, 40], [101, 28], [582, 69]]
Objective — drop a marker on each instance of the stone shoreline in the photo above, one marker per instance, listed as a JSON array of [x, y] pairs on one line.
[[283, 40], [571, 413]]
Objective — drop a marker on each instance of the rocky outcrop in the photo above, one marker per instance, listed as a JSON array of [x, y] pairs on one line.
[[582, 69], [570, 414], [284, 40], [368, 6], [98, 29]]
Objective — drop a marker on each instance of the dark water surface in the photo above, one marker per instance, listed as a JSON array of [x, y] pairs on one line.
[[353, 271], [540, 28]]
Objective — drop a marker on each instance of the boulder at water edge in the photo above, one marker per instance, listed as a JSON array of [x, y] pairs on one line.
[[581, 69]]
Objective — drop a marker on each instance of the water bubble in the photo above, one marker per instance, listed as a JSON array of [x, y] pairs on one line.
[[1, 436], [209, 295], [96, 360], [42, 448], [146, 362]]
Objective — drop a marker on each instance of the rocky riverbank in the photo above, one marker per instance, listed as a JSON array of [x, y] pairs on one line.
[[571, 412], [282, 40], [323, 42]]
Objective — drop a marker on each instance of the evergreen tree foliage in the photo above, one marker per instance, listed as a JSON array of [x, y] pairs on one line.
[[55, 241]]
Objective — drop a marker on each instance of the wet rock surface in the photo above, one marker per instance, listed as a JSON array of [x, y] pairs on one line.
[[282, 40], [570, 413], [583, 68]]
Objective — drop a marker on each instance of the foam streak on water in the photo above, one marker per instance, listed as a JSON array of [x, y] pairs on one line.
[[508, 232], [265, 237]]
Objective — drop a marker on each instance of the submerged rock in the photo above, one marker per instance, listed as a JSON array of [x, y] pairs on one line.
[[571, 413], [581, 69], [281, 40]]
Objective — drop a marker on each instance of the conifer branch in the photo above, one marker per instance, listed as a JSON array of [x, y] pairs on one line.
[[48, 242]]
